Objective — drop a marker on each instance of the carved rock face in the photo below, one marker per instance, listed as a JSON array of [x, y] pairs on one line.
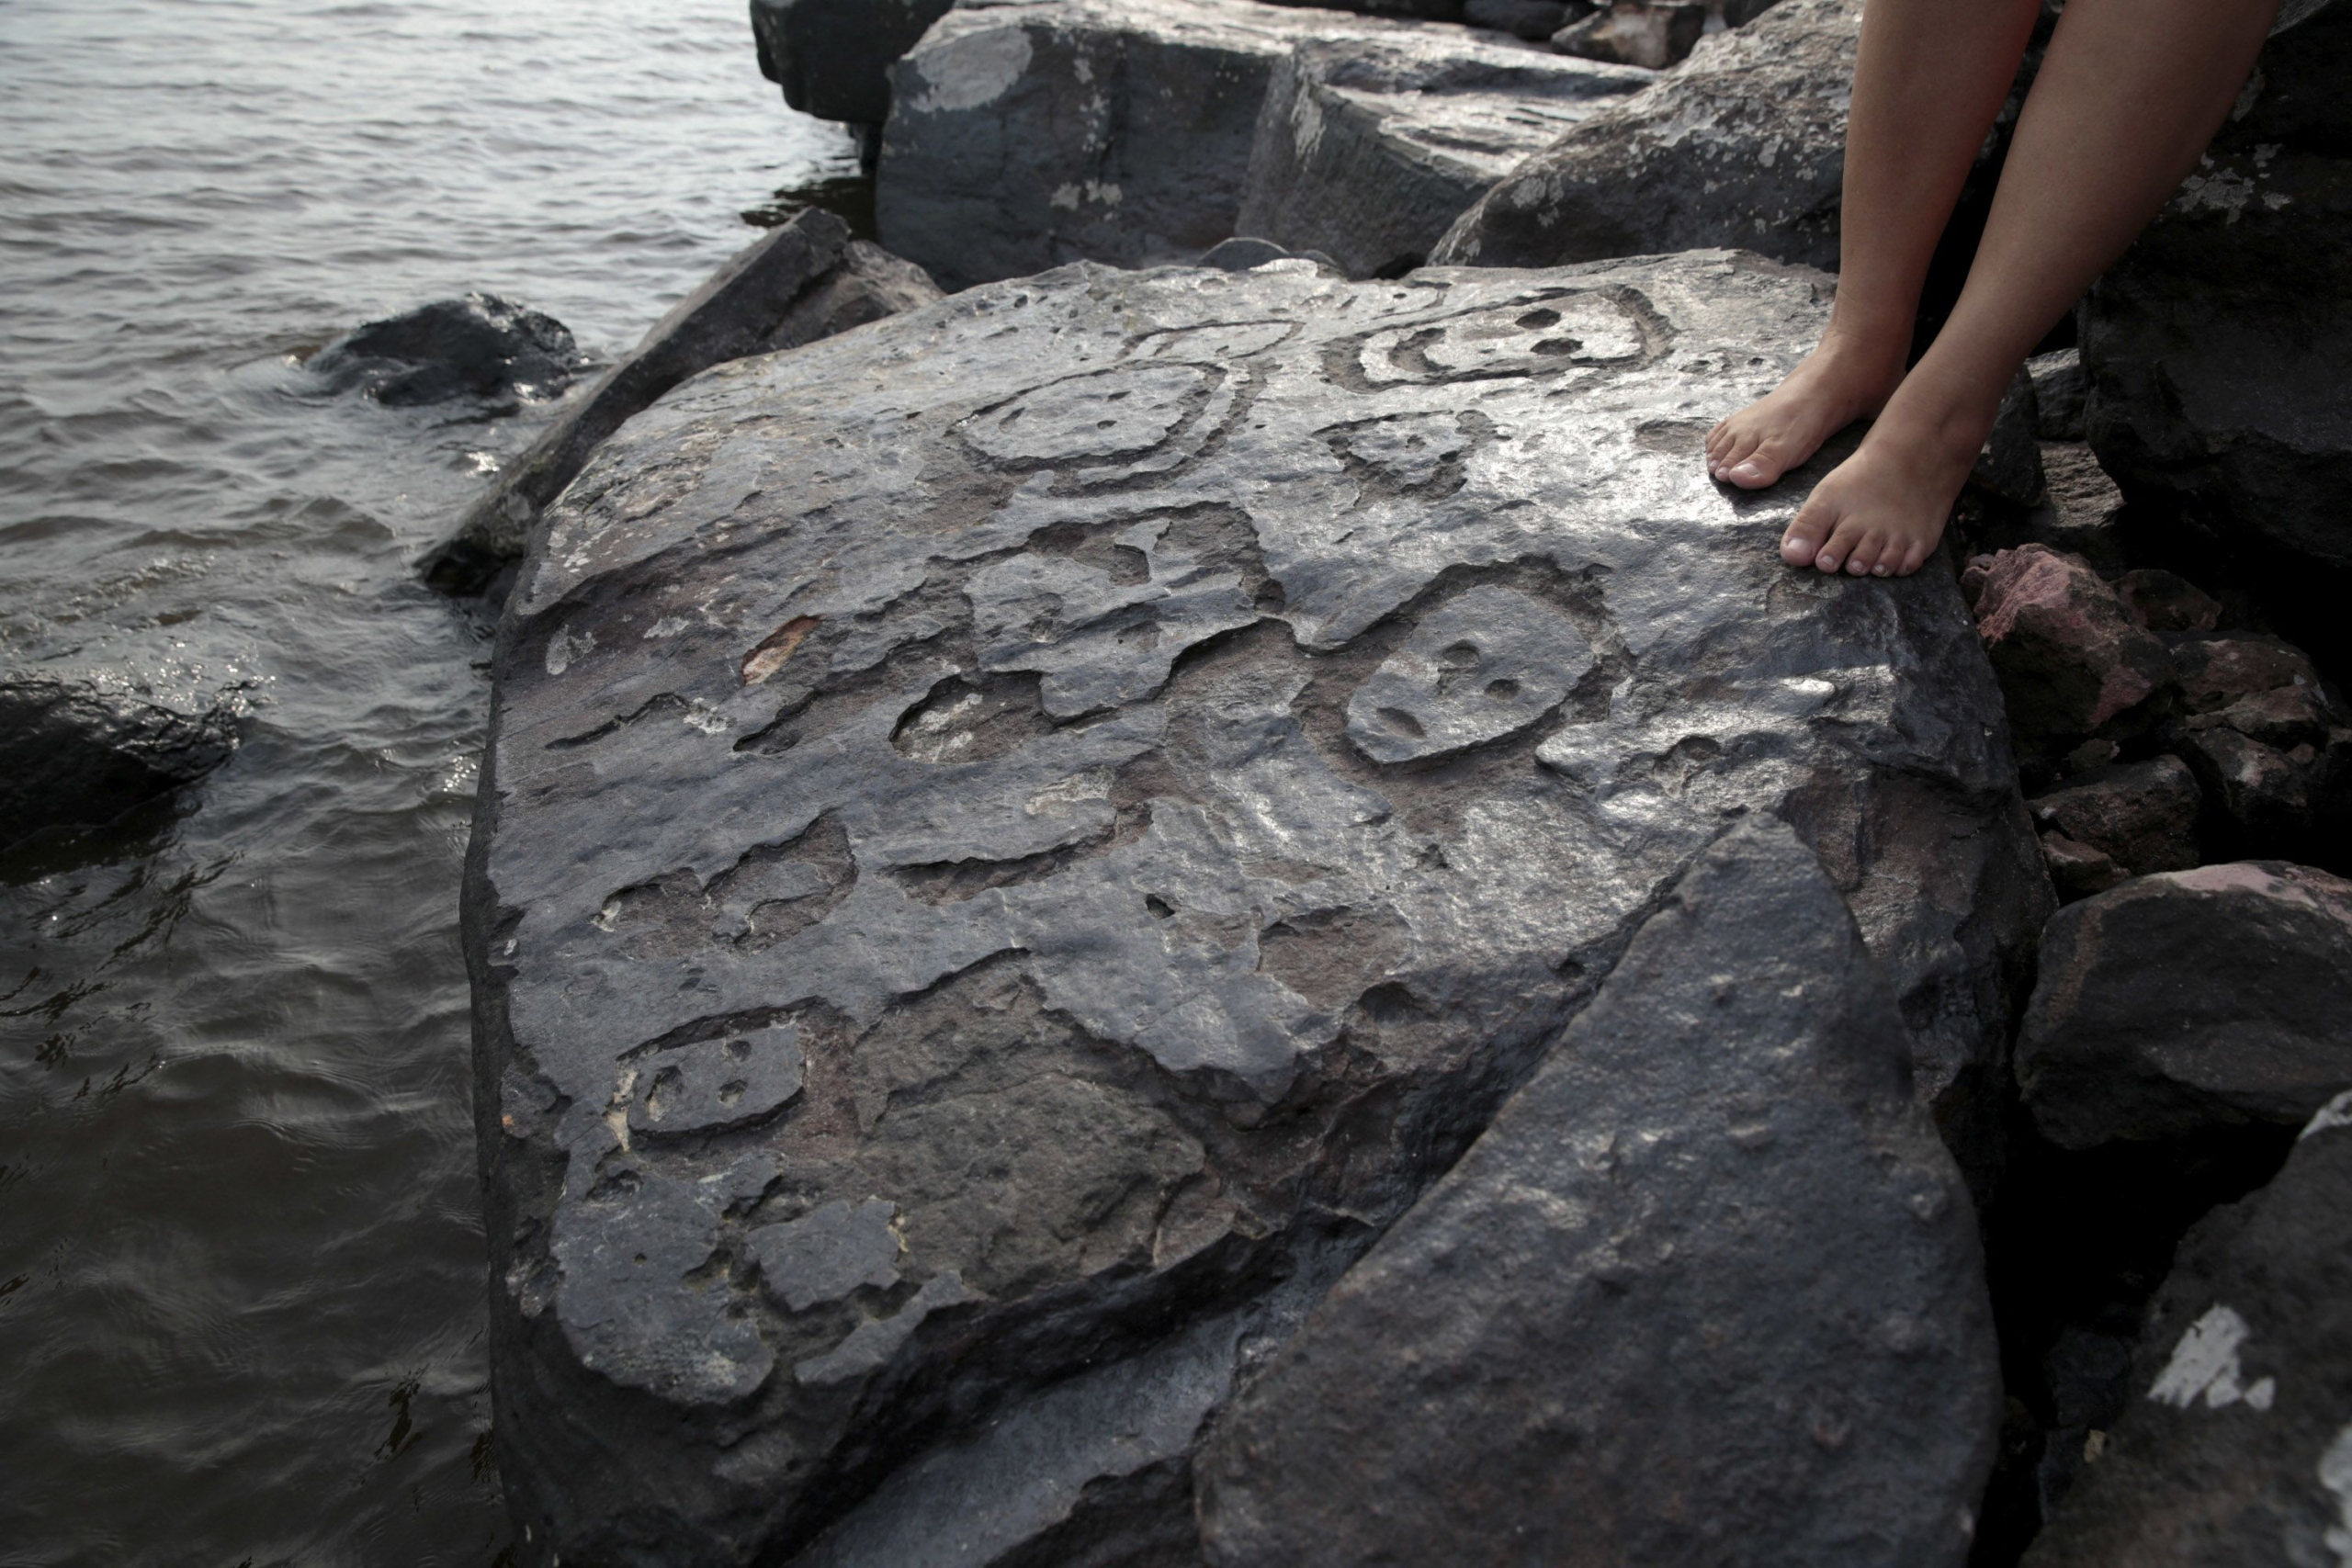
[[1008, 711]]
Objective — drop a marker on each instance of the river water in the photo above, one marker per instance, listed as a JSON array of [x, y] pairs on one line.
[[241, 1269]]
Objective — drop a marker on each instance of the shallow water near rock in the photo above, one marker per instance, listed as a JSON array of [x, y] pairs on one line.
[[241, 1268]]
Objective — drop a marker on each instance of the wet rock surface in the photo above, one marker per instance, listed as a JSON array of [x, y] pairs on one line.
[[2236, 1445], [78, 752], [481, 347], [969, 766], [1369, 149], [1741, 144], [1715, 1207], [808, 279], [2196, 1001]]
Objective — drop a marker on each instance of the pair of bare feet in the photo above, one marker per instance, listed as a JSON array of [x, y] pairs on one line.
[[1879, 512]]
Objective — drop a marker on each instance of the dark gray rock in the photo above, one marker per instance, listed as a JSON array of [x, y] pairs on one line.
[[1652, 34], [481, 347], [833, 58], [2213, 351], [2143, 816], [806, 279], [2269, 743], [1534, 20], [1743, 144], [2236, 1448], [2166, 601], [2078, 870], [2191, 1001], [1369, 149], [2010, 465], [1241, 253], [1414, 10], [2059, 388], [976, 695], [1026, 133], [79, 752], [1707, 1292]]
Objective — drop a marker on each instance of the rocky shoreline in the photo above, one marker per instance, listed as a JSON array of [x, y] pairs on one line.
[[1159, 913]]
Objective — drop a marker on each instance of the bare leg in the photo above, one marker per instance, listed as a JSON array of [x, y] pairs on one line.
[[1928, 77], [2130, 94]]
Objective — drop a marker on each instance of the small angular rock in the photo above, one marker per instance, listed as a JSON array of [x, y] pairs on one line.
[[1713, 1203], [2078, 870], [2141, 814], [2166, 601], [2072, 664], [2194, 1000], [2059, 388], [1533, 21], [1652, 34]]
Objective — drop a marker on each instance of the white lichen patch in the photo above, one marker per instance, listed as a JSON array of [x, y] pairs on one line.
[[2335, 1474], [2205, 1365], [969, 71], [2335, 1113]]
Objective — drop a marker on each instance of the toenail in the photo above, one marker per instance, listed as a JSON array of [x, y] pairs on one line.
[[1882, 571], [1825, 562]]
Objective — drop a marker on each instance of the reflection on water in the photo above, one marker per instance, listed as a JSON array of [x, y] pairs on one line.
[[240, 1264]]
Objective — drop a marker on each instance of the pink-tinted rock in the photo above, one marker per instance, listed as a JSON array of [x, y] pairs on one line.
[[2071, 663], [2190, 1002], [2143, 816], [2168, 601]]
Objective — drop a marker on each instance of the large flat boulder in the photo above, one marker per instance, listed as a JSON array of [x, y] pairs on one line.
[[1026, 133], [1708, 1291], [833, 58], [804, 280], [1744, 143], [2236, 1450], [1368, 150], [2215, 347], [1017, 840]]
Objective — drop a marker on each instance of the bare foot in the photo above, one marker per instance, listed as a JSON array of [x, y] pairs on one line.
[[1845, 380], [1880, 513]]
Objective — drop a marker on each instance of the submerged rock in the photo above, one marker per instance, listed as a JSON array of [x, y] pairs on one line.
[[480, 346], [1707, 1292], [1130, 770], [1744, 143], [1368, 150], [2236, 1447], [833, 58], [805, 280], [76, 754], [2196, 1001]]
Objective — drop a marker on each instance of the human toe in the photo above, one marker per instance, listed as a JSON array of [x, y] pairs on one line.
[[1764, 464], [1866, 553], [1812, 525], [1842, 542]]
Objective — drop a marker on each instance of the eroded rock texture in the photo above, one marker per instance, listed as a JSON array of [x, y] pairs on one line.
[[1368, 150], [1018, 840], [1707, 1292], [78, 751]]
